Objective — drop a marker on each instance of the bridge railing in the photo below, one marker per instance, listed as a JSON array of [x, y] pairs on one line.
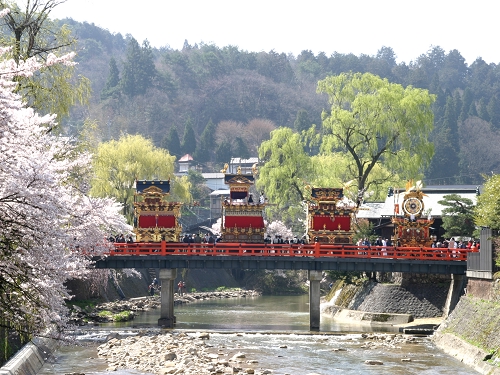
[[316, 250]]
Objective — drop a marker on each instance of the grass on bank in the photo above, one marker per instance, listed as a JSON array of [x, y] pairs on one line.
[[122, 316]]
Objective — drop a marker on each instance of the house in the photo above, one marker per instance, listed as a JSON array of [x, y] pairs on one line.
[[216, 198], [245, 165], [185, 163]]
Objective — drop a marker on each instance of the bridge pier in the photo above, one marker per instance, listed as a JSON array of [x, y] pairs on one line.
[[314, 299], [167, 277], [456, 285]]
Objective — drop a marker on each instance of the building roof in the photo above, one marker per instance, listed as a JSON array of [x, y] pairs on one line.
[[221, 192], [185, 158], [210, 175], [244, 161], [433, 194]]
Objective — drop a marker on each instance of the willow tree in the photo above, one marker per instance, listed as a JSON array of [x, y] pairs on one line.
[[117, 164], [377, 122], [332, 170], [286, 170]]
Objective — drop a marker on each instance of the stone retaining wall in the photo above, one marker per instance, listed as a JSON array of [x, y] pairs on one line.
[[419, 300], [471, 331]]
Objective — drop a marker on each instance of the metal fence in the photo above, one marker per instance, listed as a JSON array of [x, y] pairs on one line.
[[482, 261]]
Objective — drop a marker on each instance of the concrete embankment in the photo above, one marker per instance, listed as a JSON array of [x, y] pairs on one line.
[[471, 332], [30, 359]]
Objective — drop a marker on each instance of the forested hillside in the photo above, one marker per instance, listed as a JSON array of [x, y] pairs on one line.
[[219, 101]]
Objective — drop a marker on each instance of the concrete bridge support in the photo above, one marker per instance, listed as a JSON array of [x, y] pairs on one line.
[[456, 288], [167, 277], [314, 299]]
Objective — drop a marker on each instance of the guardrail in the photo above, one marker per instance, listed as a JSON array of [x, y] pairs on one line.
[[316, 250]]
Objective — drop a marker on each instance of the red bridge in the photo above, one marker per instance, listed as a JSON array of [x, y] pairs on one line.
[[316, 250], [313, 257]]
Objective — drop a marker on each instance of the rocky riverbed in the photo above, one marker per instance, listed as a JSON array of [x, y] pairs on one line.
[[193, 354], [123, 310]]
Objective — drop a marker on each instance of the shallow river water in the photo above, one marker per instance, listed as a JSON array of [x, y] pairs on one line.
[[273, 330]]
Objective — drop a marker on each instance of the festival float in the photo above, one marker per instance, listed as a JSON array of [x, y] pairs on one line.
[[242, 214], [155, 219], [330, 216], [411, 228]]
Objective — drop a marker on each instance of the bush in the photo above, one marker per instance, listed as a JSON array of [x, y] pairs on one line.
[[123, 316]]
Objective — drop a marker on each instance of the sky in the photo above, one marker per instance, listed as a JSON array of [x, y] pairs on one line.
[[410, 28]]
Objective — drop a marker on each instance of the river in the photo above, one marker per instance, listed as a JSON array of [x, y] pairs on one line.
[[262, 327]]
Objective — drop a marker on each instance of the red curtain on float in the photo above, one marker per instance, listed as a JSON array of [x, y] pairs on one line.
[[166, 221], [147, 221], [331, 223], [244, 221]]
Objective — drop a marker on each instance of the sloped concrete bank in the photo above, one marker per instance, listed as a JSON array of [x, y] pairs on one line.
[[30, 359], [471, 332], [415, 295]]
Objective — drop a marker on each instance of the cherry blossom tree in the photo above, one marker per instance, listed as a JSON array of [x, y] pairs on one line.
[[278, 228], [49, 224]]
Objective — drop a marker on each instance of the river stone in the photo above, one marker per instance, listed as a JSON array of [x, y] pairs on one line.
[[169, 356], [203, 335], [373, 362], [238, 355]]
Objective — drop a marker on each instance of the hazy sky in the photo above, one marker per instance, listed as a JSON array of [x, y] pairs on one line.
[[349, 26]]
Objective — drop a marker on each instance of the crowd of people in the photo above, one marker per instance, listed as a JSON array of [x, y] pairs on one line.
[[460, 244], [210, 238], [156, 287], [470, 244], [378, 242], [197, 238], [120, 238], [278, 239]]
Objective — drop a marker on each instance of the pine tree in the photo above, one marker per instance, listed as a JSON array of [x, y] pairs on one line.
[[129, 82], [302, 121], [482, 110], [467, 100], [240, 149], [189, 139], [111, 87], [223, 153], [493, 109], [205, 148], [147, 71], [172, 143]]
